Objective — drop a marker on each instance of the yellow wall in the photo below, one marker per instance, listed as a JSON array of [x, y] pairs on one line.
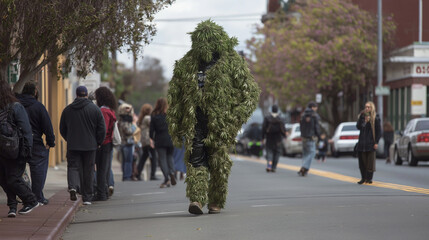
[[53, 90]]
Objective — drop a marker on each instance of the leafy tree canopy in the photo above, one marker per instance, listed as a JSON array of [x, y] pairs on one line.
[[323, 47], [80, 29]]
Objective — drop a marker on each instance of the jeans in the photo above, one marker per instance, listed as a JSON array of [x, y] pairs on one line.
[[80, 172], [39, 168], [273, 155], [165, 155], [102, 160], [13, 184], [110, 180], [127, 162], [308, 152]]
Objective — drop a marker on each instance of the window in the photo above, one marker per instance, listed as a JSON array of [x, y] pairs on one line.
[[348, 128], [422, 125]]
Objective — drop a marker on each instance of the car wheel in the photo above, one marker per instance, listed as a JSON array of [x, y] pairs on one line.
[[239, 148], [412, 161], [396, 159]]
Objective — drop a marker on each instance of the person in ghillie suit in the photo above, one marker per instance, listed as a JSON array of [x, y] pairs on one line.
[[211, 95]]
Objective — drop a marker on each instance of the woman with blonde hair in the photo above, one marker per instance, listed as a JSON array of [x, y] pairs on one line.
[[144, 124], [163, 143], [370, 133]]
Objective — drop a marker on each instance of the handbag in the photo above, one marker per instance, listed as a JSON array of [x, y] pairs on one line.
[[116, 135], [355, 150]]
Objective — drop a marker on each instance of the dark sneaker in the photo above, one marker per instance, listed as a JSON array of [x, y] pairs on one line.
[[11, 213], [44, 202], [195, 208], [173, 179], [73, 196], [28, 208]]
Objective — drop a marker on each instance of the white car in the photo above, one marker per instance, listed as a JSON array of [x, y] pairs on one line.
[[293, 143], [345, 138]]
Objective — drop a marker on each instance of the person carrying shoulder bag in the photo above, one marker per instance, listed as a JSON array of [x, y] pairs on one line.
[[370, 133]]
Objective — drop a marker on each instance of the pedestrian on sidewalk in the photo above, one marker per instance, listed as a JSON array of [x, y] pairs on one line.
[[369, 135], [273, 132], [161, 140], [126, 129], [82, 126], [41, 125], [179, 163], [147, 150], [322, 147], [388, 136], [137, 135], [107, 103], [310, 133], [13, 115]]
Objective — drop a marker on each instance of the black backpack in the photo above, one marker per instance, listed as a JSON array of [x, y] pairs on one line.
[[274, 125], [9, 135]]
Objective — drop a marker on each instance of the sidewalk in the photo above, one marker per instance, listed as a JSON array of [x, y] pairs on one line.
[[46, 222]]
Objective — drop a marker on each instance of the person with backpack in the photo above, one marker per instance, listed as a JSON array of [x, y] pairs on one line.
[[16, 142], [273, 132], [41, 125], [310, 133]]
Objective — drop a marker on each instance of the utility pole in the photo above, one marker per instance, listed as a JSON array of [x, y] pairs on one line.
[[380, 61], [420, 20]]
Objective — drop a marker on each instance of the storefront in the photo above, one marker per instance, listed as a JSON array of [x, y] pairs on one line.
[[407, 75]]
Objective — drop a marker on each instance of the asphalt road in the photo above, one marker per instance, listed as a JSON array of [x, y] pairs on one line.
[[327, 204]]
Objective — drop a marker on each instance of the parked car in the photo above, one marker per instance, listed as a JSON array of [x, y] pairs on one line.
[[345, 138], [413, 144], [249, 142], [293, 143]]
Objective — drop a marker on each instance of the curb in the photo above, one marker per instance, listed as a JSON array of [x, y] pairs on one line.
[[56, 224], [46, 222]]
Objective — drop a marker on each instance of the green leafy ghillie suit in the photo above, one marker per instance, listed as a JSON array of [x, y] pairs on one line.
[[211, 95]]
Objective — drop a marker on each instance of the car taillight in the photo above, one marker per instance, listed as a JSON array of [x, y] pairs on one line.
[[423, 137], [297, 139], [349, 137]]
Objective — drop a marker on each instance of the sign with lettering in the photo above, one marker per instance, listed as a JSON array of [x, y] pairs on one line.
[[418, 99], [421, 69]]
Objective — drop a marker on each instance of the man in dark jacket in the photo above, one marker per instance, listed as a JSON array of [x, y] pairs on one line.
[[82, 126], [273, 132], [41, 124], [310, 133]]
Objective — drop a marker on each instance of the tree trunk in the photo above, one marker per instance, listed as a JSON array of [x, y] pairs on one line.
[[3, 72]]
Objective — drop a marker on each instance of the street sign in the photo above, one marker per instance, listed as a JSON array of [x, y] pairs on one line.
[[318, 97], [13, 72], [382, 91]]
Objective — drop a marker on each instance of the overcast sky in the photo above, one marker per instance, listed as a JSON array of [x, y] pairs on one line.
[[237, 17]]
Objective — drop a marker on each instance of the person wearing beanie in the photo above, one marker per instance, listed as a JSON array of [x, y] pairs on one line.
[[310, 133], [82, 126], [273, 132]]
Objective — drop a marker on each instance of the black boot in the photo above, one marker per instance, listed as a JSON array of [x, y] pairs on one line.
[[363, 176], [369, 177]]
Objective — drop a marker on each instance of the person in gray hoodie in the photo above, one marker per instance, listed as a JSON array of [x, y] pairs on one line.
[[82, 126]]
